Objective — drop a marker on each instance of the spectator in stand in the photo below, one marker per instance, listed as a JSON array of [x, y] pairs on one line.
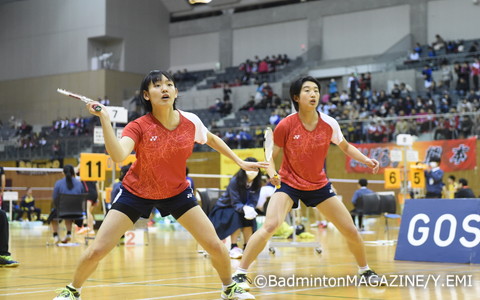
[[226, 91], [439, 43], [332, 87], [464, 191], [412, 57], [427, 77], [466, 126], [418, 49], [227, 107], [244, 138], [446, 75], [402, 126], [57, 150], [274, 118], [249, 106], [245, 122], [217, 107], [431, 53], [395, 93], [105, 101], [473, 49], [475, 68], [344, 97], [353, 85]]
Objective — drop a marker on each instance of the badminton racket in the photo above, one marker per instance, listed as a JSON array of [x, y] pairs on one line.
[[268, 147], [79, 97]]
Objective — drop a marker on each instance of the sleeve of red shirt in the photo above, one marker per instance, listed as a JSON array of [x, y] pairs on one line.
[[280, 133], [133, 131]]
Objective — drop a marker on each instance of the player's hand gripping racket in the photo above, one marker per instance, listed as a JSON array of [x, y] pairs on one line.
[[79, 97], [268, 147]]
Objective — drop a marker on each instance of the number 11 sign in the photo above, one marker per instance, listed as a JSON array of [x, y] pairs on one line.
[[93, 166]]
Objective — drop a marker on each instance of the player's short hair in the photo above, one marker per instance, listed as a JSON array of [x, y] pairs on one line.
[[296, 87], [362, 182]]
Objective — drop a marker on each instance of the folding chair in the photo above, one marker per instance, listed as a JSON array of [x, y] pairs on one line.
[[208, 199], [389, 210], [71, 207]]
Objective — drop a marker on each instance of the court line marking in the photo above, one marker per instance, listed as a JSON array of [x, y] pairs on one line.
[[437, 269]]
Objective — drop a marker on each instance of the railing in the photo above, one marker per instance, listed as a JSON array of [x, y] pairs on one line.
[[424, 126]]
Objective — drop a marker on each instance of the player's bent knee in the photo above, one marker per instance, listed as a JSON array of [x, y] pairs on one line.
[[351, 233], [214, 248], [97, 253], [271, 226]]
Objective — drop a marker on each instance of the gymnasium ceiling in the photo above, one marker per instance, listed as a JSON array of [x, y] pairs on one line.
[[179, 8]]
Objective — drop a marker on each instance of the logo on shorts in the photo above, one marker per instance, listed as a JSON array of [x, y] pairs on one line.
[[331, 191], [153, 138], [189, 195], [296, 137]]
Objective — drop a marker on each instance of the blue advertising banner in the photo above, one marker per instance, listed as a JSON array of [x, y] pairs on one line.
[[440, 230]]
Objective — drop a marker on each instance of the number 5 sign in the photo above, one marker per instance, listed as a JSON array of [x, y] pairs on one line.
[[93, 166], [417, 178], [392, 178]]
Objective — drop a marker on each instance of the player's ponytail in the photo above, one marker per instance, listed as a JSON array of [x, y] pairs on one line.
[[69, 174]]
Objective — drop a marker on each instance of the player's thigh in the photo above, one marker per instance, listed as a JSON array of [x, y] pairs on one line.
[[113, 227], [336, 212], [199, 225], [278, 207]]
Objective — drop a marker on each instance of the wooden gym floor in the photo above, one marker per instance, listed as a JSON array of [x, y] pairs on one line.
[[170, 268]]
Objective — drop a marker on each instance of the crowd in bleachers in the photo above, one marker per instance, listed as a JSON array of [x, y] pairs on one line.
[[257, 68], [378, 116]]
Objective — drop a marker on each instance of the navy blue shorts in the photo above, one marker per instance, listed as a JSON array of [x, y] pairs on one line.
[[135, 207], [309, 198]]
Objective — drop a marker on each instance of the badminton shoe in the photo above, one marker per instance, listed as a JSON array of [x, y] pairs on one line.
[[6, 261], [242, 280], [236, 253], [67, 293], [235, 292]]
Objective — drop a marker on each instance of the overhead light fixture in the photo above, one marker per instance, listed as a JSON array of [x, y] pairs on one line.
[[193, 2]]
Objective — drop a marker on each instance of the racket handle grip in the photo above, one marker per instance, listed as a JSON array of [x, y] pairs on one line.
[[276, 186], [97, 107]]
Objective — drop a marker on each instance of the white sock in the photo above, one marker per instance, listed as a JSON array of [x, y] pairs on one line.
[[77, 289], [241, 271], [363, 269]]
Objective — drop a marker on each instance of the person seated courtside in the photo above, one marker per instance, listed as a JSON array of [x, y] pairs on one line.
[[67, 185], [235, 212], [356, 212]]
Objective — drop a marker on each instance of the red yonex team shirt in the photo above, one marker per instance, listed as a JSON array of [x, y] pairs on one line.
[[304, 151], [159, 171]]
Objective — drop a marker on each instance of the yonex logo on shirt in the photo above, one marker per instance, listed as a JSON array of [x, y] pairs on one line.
[[296, 137], [153, 138]]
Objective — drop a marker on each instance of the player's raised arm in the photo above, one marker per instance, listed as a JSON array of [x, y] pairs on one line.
[[117, 149]]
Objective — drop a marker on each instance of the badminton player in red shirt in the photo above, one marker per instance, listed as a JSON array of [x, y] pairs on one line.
[[163, 139], [304, 138]]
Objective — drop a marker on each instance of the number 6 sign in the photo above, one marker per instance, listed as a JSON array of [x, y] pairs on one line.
[[392, 178]]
